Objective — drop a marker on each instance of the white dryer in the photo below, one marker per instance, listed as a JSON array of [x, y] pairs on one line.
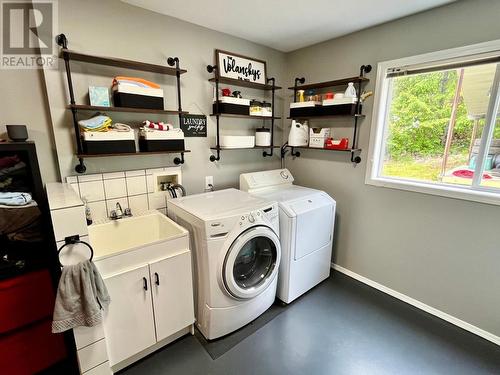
[[307, 218], [236, 249]]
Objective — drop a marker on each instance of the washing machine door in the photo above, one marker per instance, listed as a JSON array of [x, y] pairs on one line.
[[251, 263]]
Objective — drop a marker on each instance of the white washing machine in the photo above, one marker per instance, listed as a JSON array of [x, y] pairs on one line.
[[307, 218], [234, 237]]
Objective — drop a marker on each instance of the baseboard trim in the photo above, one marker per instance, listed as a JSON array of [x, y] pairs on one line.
[[422, 306]]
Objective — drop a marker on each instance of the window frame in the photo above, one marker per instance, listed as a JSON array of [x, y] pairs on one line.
[[379, 120]]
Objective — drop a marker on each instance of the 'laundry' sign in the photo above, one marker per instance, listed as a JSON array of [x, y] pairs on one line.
[[231, 65], [194, 125]]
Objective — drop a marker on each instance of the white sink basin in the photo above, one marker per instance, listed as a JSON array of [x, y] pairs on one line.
[[125, 234]]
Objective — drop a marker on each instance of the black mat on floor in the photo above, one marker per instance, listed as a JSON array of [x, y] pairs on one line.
[[216, 348]]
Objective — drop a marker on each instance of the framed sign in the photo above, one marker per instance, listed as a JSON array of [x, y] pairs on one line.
[[194, 125], [232, 65]]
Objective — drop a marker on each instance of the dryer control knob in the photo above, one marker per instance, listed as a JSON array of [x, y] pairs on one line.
[[284, 175], [251, 218]]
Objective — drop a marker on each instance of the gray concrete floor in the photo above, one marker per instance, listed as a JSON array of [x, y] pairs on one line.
[[340, 327]]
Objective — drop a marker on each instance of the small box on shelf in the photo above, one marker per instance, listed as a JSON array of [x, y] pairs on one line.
[[318, 137], [337, 144]]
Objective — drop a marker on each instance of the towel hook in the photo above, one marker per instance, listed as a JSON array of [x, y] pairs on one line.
[[71, 240]]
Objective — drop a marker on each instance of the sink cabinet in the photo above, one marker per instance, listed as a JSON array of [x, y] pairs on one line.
[[171, 287], [129, 322], [149, 304]]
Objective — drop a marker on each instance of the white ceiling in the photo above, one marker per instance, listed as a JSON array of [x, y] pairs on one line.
[[287, 25]]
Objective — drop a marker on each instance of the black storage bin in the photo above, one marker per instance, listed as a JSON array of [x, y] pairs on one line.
[[149, 145], [328, 110], [339, 109], [305, 111], [108, 147], [233, 109], [121, 99]]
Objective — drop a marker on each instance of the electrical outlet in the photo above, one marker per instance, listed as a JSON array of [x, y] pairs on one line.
[[209, 183]]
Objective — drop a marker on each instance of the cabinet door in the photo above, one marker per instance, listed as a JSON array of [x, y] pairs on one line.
[[172, 294], [129, 323]]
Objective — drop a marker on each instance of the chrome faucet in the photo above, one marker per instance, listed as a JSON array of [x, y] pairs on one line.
[[118, 213]]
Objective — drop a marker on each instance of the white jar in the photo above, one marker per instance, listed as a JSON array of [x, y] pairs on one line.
[[262, 137]]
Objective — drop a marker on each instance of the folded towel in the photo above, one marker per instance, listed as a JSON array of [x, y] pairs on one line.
[[157, 125], [134, 81], [15, 199], [96, 123], [81, 297]]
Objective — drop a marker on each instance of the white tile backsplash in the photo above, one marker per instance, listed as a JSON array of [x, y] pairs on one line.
[[150, 183], [136, 185], [133, 189], [140, 172], [108, 176], [115, 188], [89, 177], [157, 200], [138, 203], [91, 191], [98, 210]]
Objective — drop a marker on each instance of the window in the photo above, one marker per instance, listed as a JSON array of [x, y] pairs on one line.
[[437, 124]]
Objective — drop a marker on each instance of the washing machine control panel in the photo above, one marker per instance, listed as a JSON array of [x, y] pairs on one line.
[[265, 216]]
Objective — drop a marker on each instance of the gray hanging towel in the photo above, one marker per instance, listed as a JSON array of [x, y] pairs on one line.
[[81, 297]]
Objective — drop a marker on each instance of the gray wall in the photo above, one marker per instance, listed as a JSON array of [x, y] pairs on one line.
[[113, 28], [23, 101], [443, 252]]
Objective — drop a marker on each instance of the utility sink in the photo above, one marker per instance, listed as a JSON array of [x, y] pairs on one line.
[[117, 236]]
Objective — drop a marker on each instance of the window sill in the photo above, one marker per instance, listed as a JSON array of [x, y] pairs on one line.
[[448, 191]]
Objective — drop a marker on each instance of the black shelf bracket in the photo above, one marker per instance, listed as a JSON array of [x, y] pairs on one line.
[[365, 69], [80, 167], [355, 158], [211, 68], [174, 61], [273, 90], [298, 80], [179, 160], [294, 153]]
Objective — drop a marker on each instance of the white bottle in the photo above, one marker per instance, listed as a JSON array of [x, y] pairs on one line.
[[350, 92]]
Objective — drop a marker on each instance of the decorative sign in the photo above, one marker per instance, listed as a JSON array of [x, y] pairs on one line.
[[232, 65], [194, 125]]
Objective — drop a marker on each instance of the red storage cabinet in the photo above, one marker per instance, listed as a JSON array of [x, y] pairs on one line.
[[25, 299], [31, 349]]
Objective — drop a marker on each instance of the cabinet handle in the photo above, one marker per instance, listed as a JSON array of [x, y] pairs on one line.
[[157, 277], [145, 283]]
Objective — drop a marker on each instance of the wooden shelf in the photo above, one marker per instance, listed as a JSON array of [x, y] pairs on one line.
[[243, 148], [84, 107], [239, 82], [120, 63], [324, 116], [137, 153], [337, 82], [244, 116]]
